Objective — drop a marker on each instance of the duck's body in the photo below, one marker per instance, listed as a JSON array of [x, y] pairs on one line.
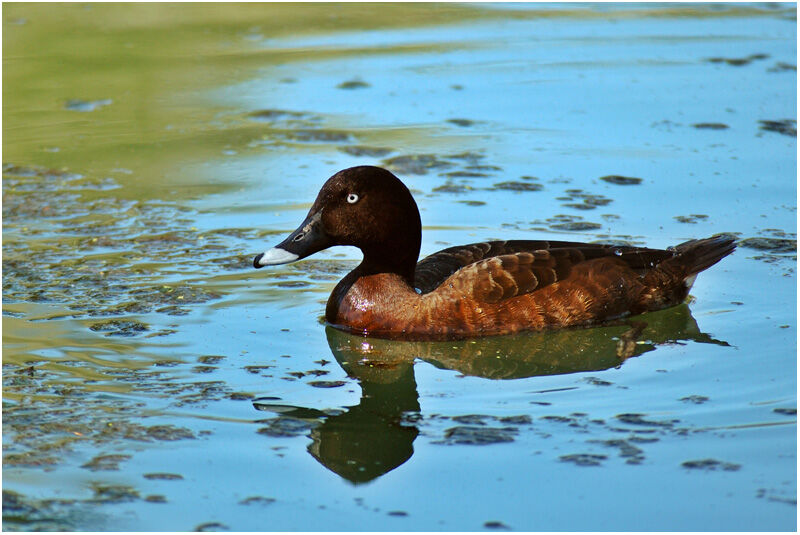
[[479, 289]]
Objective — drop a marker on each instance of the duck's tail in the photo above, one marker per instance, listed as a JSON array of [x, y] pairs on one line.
[[669, 283], [695, 256]]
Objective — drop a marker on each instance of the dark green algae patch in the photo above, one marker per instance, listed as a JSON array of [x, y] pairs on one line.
[[75, 252], [70, 242], [80, 256], [49, 418]]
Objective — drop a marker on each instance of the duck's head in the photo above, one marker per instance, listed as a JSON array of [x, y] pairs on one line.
[[367, 207]]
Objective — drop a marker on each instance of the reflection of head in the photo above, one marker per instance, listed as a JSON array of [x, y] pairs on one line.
[[371, 438], [360, 446]]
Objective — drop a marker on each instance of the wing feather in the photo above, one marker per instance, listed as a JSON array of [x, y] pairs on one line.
[[506, 268], [505, 276]]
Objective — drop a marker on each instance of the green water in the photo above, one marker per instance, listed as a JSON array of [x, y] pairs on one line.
[[154, 381]]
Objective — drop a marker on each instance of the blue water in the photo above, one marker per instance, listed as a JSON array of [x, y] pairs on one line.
[[696, 430]]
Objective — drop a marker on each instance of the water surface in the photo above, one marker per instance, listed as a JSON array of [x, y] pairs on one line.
[[154, 381]]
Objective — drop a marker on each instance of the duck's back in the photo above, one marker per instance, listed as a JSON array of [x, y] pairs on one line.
[[434, 269], [509, 286]]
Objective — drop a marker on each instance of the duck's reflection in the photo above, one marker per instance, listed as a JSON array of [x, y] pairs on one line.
[[376, 436]]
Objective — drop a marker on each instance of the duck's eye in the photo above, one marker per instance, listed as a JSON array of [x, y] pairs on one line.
[[352, 198]]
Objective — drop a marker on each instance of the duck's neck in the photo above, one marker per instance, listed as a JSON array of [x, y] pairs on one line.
[[390, 261]]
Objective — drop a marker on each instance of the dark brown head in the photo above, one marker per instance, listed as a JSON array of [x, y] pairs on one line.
[[366, 207]]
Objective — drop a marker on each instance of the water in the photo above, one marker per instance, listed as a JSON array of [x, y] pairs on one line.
[[154, 381]]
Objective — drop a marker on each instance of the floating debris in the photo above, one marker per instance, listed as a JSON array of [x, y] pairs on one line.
[[783, 67], [621, 180], [711, 126], [697, 400], [258, 369], [787, 127], [774, 495], [364, 151], [113, 493], [211, 526], [105, 462], [461, 122], [317, 136], [353, 84], [638, 419], [576, 226], [711, 464], [471, 419], [493, 168], [583, 459], [773, 245], [597, 382], [738, 62], [468, 156], [240, 396], [257, 500], [478, 436], [558, 419], [590, 201], [274, 115], [177, 295], [690, 219], [465, 174], [522, 419], [210, 359], [512, 185], [415, 164], [327, 384], [449, 187], [119, 328], [166, 433], [162, 476], [631, 453]]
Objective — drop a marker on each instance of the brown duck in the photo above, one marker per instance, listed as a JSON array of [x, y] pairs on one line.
[[480, 289]]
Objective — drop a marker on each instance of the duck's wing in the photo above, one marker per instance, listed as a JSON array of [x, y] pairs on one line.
[[502, 269]]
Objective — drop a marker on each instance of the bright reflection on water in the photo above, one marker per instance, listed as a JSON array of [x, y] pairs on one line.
[[154, 381]]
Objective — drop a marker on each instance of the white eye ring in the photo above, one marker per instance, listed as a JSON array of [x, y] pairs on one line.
[[352, 198]]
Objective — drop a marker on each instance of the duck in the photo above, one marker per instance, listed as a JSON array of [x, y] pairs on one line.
[[479, 289]]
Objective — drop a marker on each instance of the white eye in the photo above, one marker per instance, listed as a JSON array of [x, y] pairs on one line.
[[352, 198]]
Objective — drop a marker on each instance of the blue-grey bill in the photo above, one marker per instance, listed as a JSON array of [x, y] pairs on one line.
[[273, 257]]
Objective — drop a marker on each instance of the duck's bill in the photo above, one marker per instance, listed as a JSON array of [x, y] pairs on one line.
[[309, 238], [274, 257]]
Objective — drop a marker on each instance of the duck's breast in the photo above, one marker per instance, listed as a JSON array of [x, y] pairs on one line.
[[380, 303]]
